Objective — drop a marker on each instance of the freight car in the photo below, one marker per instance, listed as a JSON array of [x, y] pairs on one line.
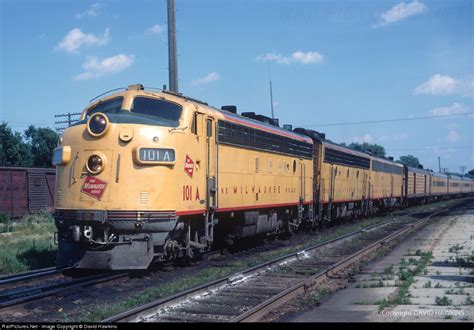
[[26, 190], [151, 175]]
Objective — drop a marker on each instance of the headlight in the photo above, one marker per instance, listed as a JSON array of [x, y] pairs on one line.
[[95, 164], [97, 124]]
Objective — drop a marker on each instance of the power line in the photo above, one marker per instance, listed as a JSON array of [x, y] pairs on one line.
[[390, 120], [429, 148], [25, 124], [71, 118]]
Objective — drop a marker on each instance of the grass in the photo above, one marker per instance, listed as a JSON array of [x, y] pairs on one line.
[[443, 301], [27, 244], [468, 300], [460, 291], [314, 299], [406, 274]]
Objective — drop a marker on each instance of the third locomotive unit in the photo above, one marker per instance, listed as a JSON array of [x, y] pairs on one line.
[[149, 175]]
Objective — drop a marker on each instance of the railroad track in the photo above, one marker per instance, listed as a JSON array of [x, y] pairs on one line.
[[31, 275], [10, 297], [250, 294]]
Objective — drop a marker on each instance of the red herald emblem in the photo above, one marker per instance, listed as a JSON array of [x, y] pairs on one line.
[[189, 166], [93, 187]]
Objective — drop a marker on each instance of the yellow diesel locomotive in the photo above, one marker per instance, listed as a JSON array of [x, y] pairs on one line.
[[149, 175]]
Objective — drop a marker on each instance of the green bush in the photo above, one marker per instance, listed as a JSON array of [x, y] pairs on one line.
[[4, 218]]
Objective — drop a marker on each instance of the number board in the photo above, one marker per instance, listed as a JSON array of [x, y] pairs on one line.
[[156, 155]]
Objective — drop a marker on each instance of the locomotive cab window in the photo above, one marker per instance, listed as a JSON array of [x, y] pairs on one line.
[[194, 124], [166, 112], [110, 106], [209, 128]]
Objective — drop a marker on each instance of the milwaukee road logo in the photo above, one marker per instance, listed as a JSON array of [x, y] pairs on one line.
[[189, 166], [93, 187]]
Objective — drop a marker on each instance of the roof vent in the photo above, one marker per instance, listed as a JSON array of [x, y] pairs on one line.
[[229, 108], [311, 133], [263, 119], [249, 114], [136, 87]]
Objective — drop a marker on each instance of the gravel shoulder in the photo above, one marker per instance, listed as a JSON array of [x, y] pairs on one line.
[[440, 290]]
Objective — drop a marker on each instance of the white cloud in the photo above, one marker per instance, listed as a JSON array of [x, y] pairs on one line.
[[213, 76], [96, 68], [307, 58], [75, 39], [155, 29], [453, 136], [92, 11], [296, 57], [453, 109], [364, 138], [400, 12], [437, 84], [445, 85]]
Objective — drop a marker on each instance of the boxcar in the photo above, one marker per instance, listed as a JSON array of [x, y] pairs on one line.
[[26, 190]]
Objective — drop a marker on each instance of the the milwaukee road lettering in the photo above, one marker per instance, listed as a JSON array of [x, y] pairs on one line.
[[93, 187]]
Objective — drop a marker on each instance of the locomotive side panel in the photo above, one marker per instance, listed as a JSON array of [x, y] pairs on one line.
[[267, 180], [343, 182], [387, 181]]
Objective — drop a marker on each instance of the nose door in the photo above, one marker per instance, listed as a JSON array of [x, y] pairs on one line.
[[211, 164]]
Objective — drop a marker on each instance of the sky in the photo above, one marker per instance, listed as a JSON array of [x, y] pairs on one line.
[[330, 62]]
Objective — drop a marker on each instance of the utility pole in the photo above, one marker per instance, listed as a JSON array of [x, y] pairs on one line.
[[439, 164], [69, 121], [462, 168], [271, 90], [172, 50]]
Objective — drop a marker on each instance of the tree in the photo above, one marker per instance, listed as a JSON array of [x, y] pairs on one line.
[[471, 172], [409, 160], [374, 149], [42, 141], [13, 150]]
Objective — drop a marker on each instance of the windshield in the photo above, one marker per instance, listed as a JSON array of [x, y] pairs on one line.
[[168, 112], [144, 111], [110, 106]]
